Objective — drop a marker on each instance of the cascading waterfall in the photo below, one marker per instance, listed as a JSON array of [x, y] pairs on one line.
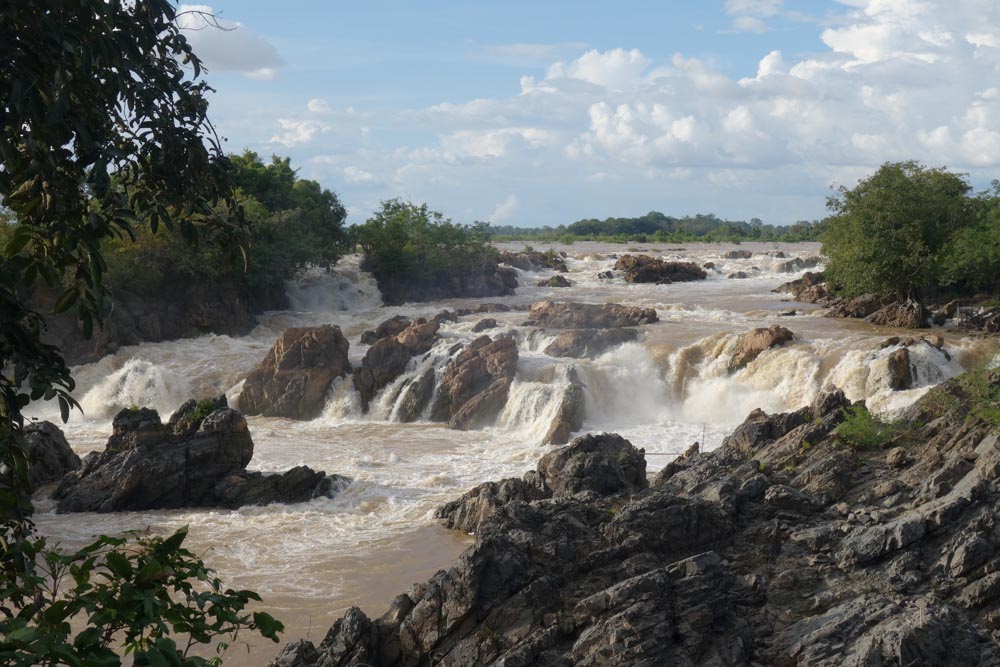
[[137, 383]]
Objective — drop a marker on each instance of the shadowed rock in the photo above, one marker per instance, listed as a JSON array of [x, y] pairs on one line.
[[571, 315], [49, 455], [646, 269]]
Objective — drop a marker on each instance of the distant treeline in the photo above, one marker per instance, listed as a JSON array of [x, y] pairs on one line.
[[655, 226]]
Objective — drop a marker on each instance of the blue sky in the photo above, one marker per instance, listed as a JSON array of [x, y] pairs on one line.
[[533, 113]]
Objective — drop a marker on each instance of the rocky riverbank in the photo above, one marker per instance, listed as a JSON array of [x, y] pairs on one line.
[[791, 544]]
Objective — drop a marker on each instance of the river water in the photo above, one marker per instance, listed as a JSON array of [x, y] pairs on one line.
[[311, 561]]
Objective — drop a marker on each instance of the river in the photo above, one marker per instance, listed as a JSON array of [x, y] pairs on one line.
[[311, 561]]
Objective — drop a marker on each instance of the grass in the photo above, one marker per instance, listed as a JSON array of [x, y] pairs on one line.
[[204, 408], [975, 392]]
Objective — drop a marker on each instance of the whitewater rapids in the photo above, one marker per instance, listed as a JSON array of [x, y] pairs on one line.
[[669, 389]]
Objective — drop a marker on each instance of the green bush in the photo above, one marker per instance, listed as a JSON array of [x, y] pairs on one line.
[[148, 598], [404, 239], [861, 429]]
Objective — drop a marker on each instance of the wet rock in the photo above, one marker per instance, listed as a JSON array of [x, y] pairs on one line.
[[752, 343], [570, 315], [474, 508], [415, 396], [900, 373], [484, 324], [535, 261], [738, 254], [49, 454], [589, 343], [483, 278], [445, 316], [388, 357], [708, 265], [294, 377], [569, 417], [298, 485], [476, 383], [798, 264], [555, 281], [646, 269], [606, 275], [908, 314], [810, 288], [739, 275], [389, 327]]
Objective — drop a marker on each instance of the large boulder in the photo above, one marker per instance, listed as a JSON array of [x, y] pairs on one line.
[[646, 269], [798, 264], [899, 371], [569, 315], [554, 281], [389, 356], [589, 343], [293, 379], [49, 455], [476, 383], [604, 463], [569, 416], [195, 460], [393, 326], [909, 314], [738, 254], [750, 344], [810, 288]]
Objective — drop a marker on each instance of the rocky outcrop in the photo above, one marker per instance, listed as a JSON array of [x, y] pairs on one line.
[[810, 288], [49, 455], [738, 254], [197, 459], [589, 343], [784, 546], [483, 278], [294, 377], [484, 324], [797, 264], [750, 344], [389, 356], [178, 309], [554, 281], [909, 314], [646, 269], [530, 260], [569, 315], [569, 417], [739, 275], [898, 366], [476, 383], [395, 325]]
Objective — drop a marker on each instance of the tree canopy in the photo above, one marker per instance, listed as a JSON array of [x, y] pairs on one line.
[[889, 233]]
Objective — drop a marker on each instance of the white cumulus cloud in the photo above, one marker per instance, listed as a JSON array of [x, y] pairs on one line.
[[227, 46]]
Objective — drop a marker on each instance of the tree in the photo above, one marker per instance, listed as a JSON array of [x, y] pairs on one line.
[[103, 128], [886, 234]]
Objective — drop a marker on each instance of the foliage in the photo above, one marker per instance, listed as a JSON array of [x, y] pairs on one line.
[[971, 261], [889, 233], [975, 392], [659, 228], [292, 223], [861, 429], [405, 239], [112, 596], [204, 408], [91, 89]]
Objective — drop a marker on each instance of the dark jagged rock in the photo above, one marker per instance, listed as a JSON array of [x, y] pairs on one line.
[[49, 455], [294, 377], [900, 374], [739, 275], [569, 315], [784, 547], [554, 281], [476, 383], [192, 461], [298, 485], [415, 396], [738, 254], [484, 278], [589, 343], [798, 264], [751, 344], [606, 275], [646, 269], [535, 261], [810, 288], [389, 356], [569, 417]]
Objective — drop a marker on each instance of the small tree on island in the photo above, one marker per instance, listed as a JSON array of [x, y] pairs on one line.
[[888, 233]]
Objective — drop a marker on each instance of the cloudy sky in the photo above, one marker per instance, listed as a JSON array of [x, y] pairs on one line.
[[532, 113]]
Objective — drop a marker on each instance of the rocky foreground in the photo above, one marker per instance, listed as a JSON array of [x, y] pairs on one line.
[[788, 545]]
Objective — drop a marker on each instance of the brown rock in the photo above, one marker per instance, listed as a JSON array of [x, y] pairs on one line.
[[484, 324], [589, 316], [738, 254], [389, 357], [646, 269], [390, 327], [294, 377], [900, 375], [570, 415], [908, 314], [555, 281], [752, 343], [476, 383], [589, 343]]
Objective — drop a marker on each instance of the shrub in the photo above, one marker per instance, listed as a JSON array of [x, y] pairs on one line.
[[861, 429]]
